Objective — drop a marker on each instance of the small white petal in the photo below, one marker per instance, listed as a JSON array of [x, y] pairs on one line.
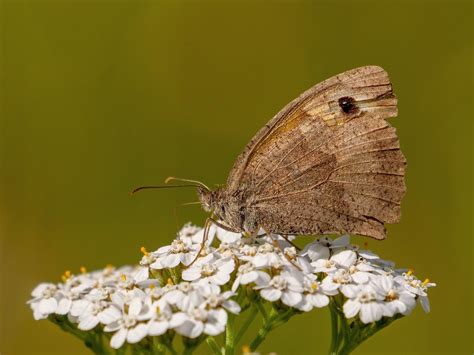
[[177, 319], [227, 267], [221, 278], [163, 250], [351, 308], [191, 274], [79, 307], [425, 303], [170, 261], [270, 294], [260, 260], [360, 277], [135, 307], [38, 291], [118, 339], [344, 258], [157, 328], [88, 322], [349, 290], [47, 305], [137, 333], [342, 241], [64, 305], [112, 327], [232, 306], [213, 328], [141, 274], [319, 300], [190, 329], [291, 298], [109, 315]]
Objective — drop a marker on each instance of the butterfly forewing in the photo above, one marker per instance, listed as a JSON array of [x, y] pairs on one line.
[[328, 162]]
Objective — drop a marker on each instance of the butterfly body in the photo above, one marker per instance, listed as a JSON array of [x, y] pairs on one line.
[[328, 162]]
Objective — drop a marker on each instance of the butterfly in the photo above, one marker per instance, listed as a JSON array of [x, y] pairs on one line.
[[327, 163]]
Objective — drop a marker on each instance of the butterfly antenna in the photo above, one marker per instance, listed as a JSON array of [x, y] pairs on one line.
[[160, 187], [190, 203], [198, 183]]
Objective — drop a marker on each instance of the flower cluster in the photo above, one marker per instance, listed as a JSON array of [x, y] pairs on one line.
[[190, 289]]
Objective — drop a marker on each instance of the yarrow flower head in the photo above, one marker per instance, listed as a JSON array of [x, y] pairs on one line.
[[197, 290]]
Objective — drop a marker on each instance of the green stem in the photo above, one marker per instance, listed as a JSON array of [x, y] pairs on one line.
[[190, 345], [166, 340], [229, 335], [274, 320], [261, 309], [334, 329], [262, 334], [211, 341], [253, 313]]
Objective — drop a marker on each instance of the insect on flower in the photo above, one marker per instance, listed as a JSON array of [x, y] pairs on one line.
[[327, 163]]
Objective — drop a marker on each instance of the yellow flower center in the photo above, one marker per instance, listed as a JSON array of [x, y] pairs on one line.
[[391, 296], [67, 274]]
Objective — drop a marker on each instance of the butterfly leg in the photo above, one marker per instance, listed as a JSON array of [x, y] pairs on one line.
[[278, 246], [290, 242], [207, 227]]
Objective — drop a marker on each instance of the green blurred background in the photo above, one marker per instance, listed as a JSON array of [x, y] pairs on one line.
[[98, 97]]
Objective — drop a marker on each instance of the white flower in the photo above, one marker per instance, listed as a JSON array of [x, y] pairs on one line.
[[248, 273], [188, 231], [217, 272], [314, 294], [143, 271], [266, 256], [134, 304], [66, 296], [44, 300], [91, 312], [181, 250], [186, 296], [367, 303], [199, 320], [129, 324], [198, 237], [341, 280], [163, 319], [342, 259], [214, 299], [287, 286], [417, 288], [361, 272], [228, 237], [396, 299]]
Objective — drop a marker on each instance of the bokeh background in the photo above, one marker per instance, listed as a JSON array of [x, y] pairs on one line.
[[98, 97]]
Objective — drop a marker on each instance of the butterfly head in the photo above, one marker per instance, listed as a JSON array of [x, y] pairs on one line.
[[209, 199]]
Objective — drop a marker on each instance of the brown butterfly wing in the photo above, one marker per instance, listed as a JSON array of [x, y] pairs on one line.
[[328, 162]]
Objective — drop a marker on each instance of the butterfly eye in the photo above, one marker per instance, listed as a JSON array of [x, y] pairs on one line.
[[347, 104]]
